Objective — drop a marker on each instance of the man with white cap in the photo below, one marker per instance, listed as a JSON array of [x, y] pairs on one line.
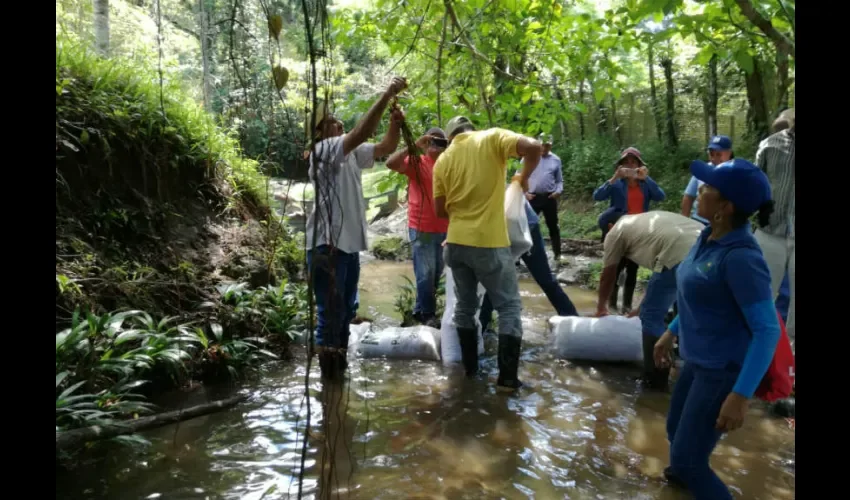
[[336, 229], [469, 190]]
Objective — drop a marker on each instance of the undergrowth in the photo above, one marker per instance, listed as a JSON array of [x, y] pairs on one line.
[[155, 208]]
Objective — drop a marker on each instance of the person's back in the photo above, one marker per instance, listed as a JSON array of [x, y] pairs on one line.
[[469, 180], [471, 175], [653, 239]]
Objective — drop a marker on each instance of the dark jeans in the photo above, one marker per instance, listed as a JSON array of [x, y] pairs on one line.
[[660, 295], [335, 278], [694, 406], [549, 207], [428, 267], [538, 265]]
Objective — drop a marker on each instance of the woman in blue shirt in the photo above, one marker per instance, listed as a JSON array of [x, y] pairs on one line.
[[727, 324], [630, 191]]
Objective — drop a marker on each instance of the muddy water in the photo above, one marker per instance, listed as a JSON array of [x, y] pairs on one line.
[[418, 430]]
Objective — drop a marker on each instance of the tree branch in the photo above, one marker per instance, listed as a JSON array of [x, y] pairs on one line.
[[781, 41], [181, 27], [789, 17], [468, 43], [413, 43]]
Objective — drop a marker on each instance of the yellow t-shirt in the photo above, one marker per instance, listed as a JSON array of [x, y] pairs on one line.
[[471, 174]]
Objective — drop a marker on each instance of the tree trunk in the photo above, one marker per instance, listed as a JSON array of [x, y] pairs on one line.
[[602, 123], [77, 437], [206, 54], [631, 127], [580, 114], [618, 131], [653, 95], [757, 121], [711, 102], [101, 26], [672, 140], [781, 41], [781, 80], [440, 72]]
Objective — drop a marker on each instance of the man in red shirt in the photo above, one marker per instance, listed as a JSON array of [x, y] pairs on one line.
[[427, 231]]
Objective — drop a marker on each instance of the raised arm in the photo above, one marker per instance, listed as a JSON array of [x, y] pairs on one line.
[[369, 123], [530, 150], [390, 140]]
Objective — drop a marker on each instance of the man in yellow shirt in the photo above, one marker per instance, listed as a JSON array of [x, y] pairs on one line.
[[469, 190]]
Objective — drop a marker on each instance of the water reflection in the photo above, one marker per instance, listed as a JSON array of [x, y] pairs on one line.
[[419, 430]]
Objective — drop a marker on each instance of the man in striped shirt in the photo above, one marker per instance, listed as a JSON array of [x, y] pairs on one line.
[[776, 158]]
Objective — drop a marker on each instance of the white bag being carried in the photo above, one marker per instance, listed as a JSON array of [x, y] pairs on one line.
[[610, 338], [449, 341], [518, 230], [414, 342]]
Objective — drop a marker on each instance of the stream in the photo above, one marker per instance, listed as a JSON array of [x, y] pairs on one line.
[[421, 431]]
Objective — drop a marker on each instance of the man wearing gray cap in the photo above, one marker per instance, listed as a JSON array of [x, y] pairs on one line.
[[544, 189], [426, 231], [336, 229], [469, 190]]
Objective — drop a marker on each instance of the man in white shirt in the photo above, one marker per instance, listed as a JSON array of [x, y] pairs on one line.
[[336, 229]]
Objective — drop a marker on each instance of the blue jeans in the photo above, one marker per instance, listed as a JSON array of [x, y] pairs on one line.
[[660, 295], [538, 265], [694, 406], [784, 298], [428, 267], [335, 277], [494, 269]]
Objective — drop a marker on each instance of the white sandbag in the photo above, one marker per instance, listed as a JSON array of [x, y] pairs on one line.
[[413, 342], [611, 338], [449, 341], [518, 230]]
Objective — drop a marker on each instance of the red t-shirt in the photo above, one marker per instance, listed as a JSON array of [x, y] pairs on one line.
[[421, 214], [635, 199]]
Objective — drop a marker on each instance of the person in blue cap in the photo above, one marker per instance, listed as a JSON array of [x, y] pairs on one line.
[[727, 324], [538, 265], [719, 151]]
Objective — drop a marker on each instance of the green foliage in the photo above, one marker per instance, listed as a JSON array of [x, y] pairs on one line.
[[121, 129], [103, 360], [391, 248], [406, 300]]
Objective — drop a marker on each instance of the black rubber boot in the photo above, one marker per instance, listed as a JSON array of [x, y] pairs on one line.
[[672, 479], [655, 378], [332, 364], [469, 349], [509, 351]]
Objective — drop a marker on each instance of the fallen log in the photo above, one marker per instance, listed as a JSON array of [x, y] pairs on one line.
[[76, 437]]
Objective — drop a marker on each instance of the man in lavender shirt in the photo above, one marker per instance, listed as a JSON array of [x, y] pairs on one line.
[[544, 188]]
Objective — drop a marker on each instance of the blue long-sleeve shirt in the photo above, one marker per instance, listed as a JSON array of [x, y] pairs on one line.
[[726, 310], [692, 190], [618, 193], [547, 178]]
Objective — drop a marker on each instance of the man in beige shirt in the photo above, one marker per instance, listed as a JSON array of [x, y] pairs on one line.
[[658, 241]]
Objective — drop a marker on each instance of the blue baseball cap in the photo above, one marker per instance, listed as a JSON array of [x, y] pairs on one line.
[[737, 180], [720, 143]]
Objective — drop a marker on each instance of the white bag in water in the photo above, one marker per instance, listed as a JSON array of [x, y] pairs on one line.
[[414, 342], [518, 230], [610, 338], [449, 341]]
